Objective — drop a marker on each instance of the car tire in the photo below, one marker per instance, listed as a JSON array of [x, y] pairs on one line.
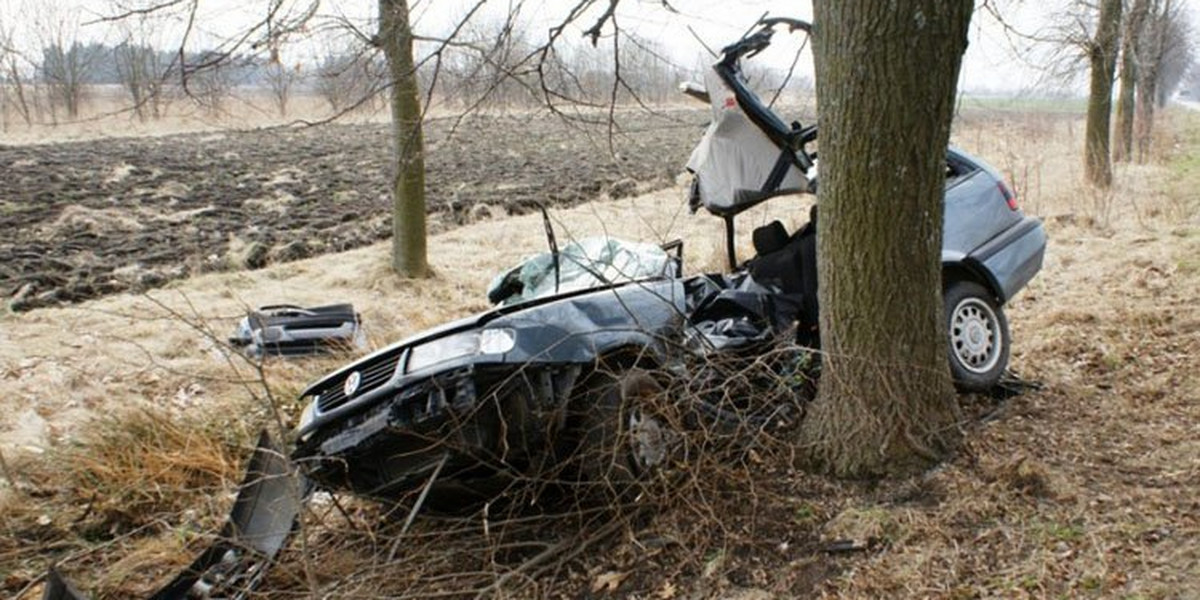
[[977, 332], [622, 439]]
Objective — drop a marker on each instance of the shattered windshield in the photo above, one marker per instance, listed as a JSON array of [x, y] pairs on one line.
[[586, 263]]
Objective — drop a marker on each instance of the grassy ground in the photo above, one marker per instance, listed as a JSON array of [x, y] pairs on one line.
[[127, 427], [1024, 106]]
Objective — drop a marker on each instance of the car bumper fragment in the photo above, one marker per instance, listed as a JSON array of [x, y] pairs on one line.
[[263, 517]]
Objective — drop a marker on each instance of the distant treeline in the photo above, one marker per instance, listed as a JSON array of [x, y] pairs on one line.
[[103, 64]]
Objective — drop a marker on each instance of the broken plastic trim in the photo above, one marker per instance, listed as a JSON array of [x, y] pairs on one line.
[[261, 521]]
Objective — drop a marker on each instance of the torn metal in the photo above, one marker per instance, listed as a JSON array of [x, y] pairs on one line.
[[489, 398]]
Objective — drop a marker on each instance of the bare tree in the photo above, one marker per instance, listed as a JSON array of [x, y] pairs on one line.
[[1102, 58], [1178, 54], [210, 87], [651, 76], [1131, 32], [65, 64], [280, 81], [142, 68], [66, 69], [13, 91], [490, 66], [143, 73], [349, 78], [1151, 47], [885, 402]]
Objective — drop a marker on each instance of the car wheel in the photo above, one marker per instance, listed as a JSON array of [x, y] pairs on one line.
[[978, 336], [623, 437]]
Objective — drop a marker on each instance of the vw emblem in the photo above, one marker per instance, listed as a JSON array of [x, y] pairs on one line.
[[351, 384]]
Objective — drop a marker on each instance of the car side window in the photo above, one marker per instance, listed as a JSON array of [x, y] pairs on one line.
[[958, 171]]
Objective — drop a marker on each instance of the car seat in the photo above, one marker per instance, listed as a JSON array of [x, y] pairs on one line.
[[789, 264], [769, 238]]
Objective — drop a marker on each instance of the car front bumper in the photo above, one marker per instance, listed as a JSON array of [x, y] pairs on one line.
[[472, 423]]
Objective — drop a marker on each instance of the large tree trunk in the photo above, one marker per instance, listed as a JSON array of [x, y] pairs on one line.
[[1103, 58], [1123, 147], [408, 184], [886, 80]]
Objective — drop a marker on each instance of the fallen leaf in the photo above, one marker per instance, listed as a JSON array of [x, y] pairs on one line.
[[666, 592], [608, 582]]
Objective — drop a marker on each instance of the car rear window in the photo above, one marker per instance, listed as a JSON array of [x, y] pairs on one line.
[[957, 170]]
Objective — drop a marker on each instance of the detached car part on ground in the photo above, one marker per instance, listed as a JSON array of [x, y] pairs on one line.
[[290, 330]]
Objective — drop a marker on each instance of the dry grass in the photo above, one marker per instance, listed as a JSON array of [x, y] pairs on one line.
[[120, 448]]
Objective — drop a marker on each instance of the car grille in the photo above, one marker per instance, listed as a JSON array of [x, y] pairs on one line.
[[374, 374]]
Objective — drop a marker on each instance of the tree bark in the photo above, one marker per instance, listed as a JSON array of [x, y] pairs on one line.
[[1103, 63], [1123, 148], [1150, 52], [886, 80], [408, 183]]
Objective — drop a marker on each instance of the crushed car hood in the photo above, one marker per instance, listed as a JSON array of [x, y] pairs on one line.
[[474, 321], [576, 327]]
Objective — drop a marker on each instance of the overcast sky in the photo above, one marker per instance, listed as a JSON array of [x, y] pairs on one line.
[[991, 63]]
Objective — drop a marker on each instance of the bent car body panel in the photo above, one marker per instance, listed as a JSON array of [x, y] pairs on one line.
[[981, 232]]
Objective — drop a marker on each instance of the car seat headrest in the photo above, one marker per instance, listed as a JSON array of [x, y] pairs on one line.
[[770, 237]]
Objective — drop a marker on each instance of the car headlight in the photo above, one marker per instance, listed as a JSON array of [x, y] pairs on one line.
[[307, 415], [468, 343], [496, 341]]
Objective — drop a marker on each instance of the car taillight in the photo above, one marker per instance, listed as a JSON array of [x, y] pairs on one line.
[[1009, 196]]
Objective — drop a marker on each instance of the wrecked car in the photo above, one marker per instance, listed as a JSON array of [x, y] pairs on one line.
[[468, 405], [458, 411]]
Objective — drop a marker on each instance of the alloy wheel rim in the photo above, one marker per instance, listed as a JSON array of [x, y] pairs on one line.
[[974, 335]]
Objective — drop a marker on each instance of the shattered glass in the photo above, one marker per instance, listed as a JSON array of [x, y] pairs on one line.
[[587, 263]]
